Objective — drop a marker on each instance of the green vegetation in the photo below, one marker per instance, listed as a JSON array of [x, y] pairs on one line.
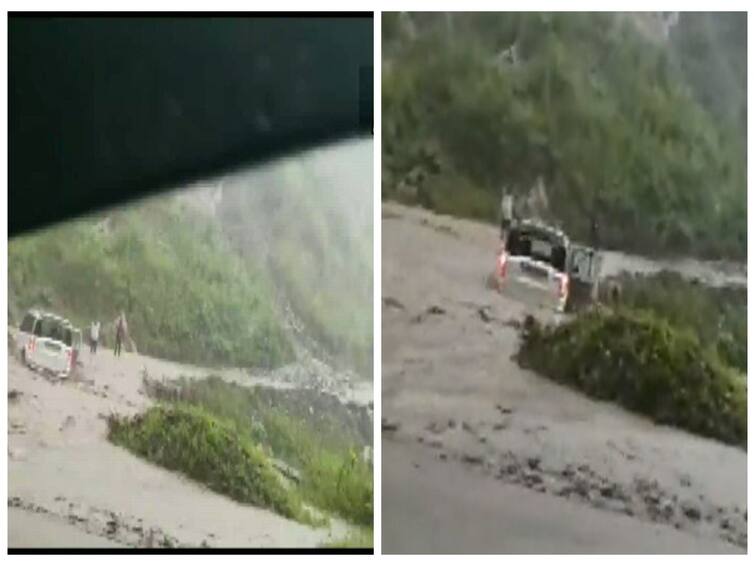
[[187, 296], [333, 476], [310, 218], [210, 451], [717, 316], [647, 135], [642, 362], [357, 538]]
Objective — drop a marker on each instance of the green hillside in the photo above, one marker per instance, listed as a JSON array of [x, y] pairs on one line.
[[617, 125], [217, 284], [310, 218], [186, 295]]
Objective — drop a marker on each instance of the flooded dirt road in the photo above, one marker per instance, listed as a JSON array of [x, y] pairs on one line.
[[483, 429], [68, 486]]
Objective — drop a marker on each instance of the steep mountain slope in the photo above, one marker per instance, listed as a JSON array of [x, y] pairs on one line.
[[217, 274], [617, 126], [308, 221]]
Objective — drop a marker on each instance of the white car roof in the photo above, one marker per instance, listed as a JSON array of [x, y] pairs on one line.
[[42, 314]]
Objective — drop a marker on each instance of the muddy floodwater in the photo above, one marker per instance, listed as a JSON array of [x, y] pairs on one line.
[[463, 423]]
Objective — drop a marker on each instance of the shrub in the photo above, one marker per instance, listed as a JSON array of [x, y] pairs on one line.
[[209, 450], [333, 475], [642, 362]]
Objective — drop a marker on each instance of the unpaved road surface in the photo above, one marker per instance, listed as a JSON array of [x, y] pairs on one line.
[[480, 455], [68, 486]]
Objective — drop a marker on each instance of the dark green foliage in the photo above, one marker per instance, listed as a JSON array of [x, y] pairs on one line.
[[333, 475], [209, 450], [604, 115], [645, 364], [717, 316]]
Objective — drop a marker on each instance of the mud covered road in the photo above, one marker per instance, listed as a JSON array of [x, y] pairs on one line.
[[482, 456], [68, 486]]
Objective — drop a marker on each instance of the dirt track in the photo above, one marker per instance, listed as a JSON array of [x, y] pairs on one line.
[[68, 486], [464, 424]]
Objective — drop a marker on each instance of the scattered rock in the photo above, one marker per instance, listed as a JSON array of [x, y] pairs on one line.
[[473, 459], [504, 410], [14, 395], [443, 456], [691, 511], [393, 303], [451, 423], [432, 310], [533, 463], [389, 426], [484, 314], [531, 479], [610, 491], [500, 426], [685, 480]]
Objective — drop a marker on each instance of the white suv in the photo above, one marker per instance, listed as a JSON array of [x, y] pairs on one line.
[[48, 342]]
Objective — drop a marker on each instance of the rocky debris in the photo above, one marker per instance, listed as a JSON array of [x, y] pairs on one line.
[[438, 428], [433, 310], [390, 302], [389, 426], [473, 459], [644, 497], [17, 428], [466, 427], [121, 528], [14, 395], [484, 313], [504, 410], [691, 511]]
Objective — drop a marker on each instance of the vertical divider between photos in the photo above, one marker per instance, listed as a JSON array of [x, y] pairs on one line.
[[377, 287]]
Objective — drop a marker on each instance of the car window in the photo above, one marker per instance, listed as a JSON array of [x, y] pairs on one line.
[[52, 329], [538, 247], [28, 323]]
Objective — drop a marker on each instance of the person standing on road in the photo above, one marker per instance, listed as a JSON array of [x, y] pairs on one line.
[[120, 333], [94, 335], [507, 215]]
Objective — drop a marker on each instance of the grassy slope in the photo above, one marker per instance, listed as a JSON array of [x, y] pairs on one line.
[[209, 450], [187, 296]]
